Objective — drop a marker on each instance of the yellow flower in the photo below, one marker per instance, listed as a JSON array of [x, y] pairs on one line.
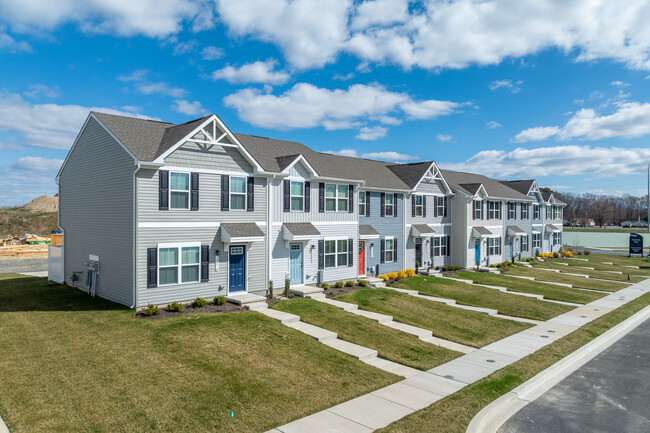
[[384, 277]]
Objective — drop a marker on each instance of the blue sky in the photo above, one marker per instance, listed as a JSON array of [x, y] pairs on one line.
[[547, 90]]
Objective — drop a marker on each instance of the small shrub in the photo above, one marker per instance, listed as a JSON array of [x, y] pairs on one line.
[[384, 277], [349, 284], [537, 252], [587, 252], [392, 275], [269, 294], [175, 307], [453, 267], [219, 300], [339, 284], [199, 303], [417, 266], [556, 255], [401, 274], [363, 283], [150, 310], [411, 272], [578, 253], [287, 286], [325, 286]]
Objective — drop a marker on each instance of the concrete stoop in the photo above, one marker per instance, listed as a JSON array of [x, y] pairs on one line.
[[253, 302], [305, 291]]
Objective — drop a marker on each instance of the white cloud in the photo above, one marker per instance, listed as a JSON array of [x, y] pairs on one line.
[[10, 44], [153, 18], [443, 137], [561, 187], [36, 90], [308, 106], [390, 156], [184, 47], [257, 72], [492, 124], [514, 87], [631, 119], [11, 145], [379, 12], [190, 108], [345, 77], [212, 53], [144, 86], [343, 152], [36, 163], [372, 133], [556, 161], [58, 125], [137, 75], [619, 83]]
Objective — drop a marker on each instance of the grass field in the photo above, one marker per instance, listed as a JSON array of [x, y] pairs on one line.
[[549, 291], [591, 273], [579, 282], [642, 262], [505, 303], [605, 229], [454, 324], [71, 363], [390, 343], [16, 221]]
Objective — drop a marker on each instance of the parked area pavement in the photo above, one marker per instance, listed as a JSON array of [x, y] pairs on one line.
[[21, 265], [608, 394]]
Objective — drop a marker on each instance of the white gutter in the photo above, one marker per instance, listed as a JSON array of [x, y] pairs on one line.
[[139, 165]]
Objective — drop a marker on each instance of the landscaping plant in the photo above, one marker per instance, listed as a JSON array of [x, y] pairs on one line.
[[219, 300], [150, 310], [339, 284], [175, 307], [363, 283], [287, 287], [325, 286], [269, 295], [199, 303], [349, 283]]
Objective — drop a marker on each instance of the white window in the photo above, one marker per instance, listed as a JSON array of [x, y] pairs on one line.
[[478, 209], [536, 211], [557, 212], [512, 211], [389, 205], [524, 243], [557, 239], [336, 253], [419, 207], [494, 210], [537, 240], [179, 190], [524, 211], [297, 196], [237, 193], [336, 198], [548, 212], [389, 246], [494, 246], [362, 203], [178, 263], [439, 203], [440, 246]]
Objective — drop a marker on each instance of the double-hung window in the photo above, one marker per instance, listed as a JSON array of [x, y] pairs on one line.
[[557, 212], [535, 211], [389, 205], [548, 212], [524, 243], [557, 239], [178, 263], [179, 190], [512, 211], [494, 246], [494, 210], [336, 253], [336, 198], [478, 209], [419, 207], [440, 246], [524, 211], [237, 193], [297, 196], [389, 246], [439, 202], [537, 240], [362, 203]]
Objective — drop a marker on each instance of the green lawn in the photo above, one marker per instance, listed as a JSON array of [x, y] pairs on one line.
[[549, 291], [453, 413], [72, 363], [579, 282], [505, 303], [619, 263], [454, 324], [389, 343], [552, 264]]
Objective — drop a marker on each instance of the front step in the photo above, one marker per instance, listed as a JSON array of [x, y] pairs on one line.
[[305, 291], [359, 352], [245, 299]]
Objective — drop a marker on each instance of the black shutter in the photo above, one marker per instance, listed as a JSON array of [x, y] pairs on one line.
[[163, 190], [287, 195], [445, 206], [250, 196], [431, 242], [383, 205], [194, 191], [483, 210], [321, 253], [350, 252], [225, 191], [487, 215], [205, 259], [351, 199], [368, 203], [395, 249], [321, 197], [152, 267], [424, 205], [413, 205], [383, 250], [435, 206], [307, 196], [448, 245], [474, 209], [395, 201]]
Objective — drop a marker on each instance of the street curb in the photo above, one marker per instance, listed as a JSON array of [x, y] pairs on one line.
[[494, 415]]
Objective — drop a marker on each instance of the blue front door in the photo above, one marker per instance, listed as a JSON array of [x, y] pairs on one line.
[[477, 251], [295, 263], [237, 269]]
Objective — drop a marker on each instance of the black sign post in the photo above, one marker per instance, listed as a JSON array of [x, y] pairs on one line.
[[636, 244]]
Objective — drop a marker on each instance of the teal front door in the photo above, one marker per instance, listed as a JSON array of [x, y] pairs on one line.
[[295, 264], [477, 252], [237, 269]]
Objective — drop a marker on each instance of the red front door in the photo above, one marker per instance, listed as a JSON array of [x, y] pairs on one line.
[[362, 258]]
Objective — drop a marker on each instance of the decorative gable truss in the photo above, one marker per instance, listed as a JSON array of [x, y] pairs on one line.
[[534, 189], [432, 174]]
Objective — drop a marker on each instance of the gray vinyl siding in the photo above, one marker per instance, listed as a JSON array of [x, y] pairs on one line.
[[192, 155], [524, 224], [218, 280], [298, 170], [459, 241], [386, 226], [547, 239], [96, 212], [427, 247], [209, 201]]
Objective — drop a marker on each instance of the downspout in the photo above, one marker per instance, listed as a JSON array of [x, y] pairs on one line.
[[269, 229], [135, 234], [57, 179]]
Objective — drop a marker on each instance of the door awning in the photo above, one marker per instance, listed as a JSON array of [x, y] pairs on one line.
[[515, 231], [299, 231], [366, 231], [535, 230], [480, 232], [550, 228], [241, 232], [421, 231]]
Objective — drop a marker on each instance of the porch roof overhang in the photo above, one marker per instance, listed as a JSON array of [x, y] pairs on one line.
[[550, 228], [515, 231], [366, 231], [422, 231], [536, 231], [480, 232], [241, 233], [299, 231]]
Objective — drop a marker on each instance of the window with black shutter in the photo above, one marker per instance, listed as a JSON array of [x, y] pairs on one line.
[[394, 250], [321, 253], [448, 246], [250, 196], [383, 204], [163, 190], [194, 191], [350, 251], [287, 195], [307, 196], [350, 199], [424, 206], [152, 267], [225, 192], [445, 207], [383, 250], [321, 197], [205, 259], [368, 203]]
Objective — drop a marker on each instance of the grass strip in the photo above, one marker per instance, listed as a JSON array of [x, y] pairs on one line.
[[576, 282], [591, 273]]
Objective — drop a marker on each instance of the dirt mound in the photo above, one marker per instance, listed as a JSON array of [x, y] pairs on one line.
[[44, 203]]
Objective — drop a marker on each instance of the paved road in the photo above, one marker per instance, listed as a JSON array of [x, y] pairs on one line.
[[23, 265], [611, 393]]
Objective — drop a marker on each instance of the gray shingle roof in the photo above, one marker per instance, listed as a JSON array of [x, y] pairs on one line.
[[547, 196], [302, 229], [465, 182], [423, 228], [411, 173], [522, 186], [367, 230], [142, 137], [238, 230]]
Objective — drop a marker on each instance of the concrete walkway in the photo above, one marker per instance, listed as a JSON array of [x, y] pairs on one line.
[[387, 405]]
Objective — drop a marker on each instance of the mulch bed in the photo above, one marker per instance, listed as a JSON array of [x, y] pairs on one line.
[[187, 309], [333, 291]]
